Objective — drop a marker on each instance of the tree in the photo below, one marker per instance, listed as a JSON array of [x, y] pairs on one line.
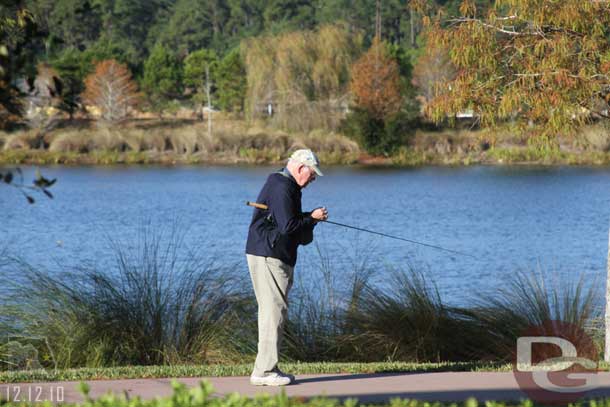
[[40, 102], [73, 23], [289, 15], [102, 49], [200, 72], [231, 82], [544, 64], [72, 71], [384, 110], [304, 74], [432, 69], [126, 24], [162, 76], [16, 27], [111, 89], [375, 82], [196, 24], [245, 17]]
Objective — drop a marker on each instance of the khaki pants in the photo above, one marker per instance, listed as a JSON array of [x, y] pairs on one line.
[[272, 280]]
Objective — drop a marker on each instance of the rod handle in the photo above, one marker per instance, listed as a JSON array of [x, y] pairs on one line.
[[257, 205]]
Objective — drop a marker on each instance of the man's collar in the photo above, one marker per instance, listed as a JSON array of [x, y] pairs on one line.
[[284, 171]]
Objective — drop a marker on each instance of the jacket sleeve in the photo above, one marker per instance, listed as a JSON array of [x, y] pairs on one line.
[[306, 236], [288, 218]]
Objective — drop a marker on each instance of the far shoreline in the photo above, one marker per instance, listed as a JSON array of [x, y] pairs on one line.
[[404, 159], [238, 142]]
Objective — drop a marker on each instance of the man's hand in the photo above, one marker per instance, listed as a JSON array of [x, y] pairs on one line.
[[320, 214]]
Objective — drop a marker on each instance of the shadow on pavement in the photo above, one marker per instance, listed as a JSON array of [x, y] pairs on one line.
[[349, 377]]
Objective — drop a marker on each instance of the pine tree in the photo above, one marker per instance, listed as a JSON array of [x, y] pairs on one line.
[[231, 82], [162, 79]]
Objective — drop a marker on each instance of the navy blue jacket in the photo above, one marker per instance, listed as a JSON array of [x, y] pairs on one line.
[[278, 231]]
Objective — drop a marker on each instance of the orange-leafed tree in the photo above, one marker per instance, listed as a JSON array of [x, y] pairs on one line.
[[375, 82], [542, 64], [111, 89]]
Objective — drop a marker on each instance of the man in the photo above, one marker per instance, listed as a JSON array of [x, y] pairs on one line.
[[271, 251]]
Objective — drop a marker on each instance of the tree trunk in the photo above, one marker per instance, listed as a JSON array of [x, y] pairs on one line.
[[412, 29], [207, 95]]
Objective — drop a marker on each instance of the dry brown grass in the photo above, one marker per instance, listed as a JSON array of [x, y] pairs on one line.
[[22, 139], [69, 140], [448, 141], [3, 137], [230, 141], [595, 137]]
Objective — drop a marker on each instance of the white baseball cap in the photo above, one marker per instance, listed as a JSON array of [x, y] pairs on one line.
[[306, 157]]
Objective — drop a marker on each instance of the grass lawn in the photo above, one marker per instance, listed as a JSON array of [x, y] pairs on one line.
[[131, 372]]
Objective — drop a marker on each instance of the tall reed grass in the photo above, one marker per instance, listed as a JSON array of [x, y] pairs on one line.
[[157, 305], [163, 304], [535, 300]]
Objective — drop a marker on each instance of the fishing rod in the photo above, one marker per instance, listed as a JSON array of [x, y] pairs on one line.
[[265, 207]]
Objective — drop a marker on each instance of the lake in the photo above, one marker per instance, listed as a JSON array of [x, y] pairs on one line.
[[510, 218]]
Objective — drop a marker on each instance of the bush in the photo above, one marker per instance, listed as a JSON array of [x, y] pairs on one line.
[[363, 128], [378, 136]]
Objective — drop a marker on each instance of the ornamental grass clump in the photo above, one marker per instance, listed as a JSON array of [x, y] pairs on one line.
[[406, 320], [318, 302], [531, 300], [157, 304]]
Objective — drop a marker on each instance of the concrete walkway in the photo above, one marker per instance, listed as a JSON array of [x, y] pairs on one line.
[[367, 388]]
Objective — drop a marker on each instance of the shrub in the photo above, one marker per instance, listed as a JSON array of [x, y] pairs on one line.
[[378, 136]]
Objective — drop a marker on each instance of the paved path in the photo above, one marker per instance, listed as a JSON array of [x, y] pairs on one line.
[[366, 387]]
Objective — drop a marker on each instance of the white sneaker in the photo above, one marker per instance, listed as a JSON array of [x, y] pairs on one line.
[[288, 375], [270, 379]]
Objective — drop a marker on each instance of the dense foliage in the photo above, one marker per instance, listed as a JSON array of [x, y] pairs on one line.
[[383, 116], [542, 64], [304, 75], [155, 37]]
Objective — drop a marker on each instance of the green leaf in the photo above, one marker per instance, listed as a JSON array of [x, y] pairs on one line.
[[84, 388]]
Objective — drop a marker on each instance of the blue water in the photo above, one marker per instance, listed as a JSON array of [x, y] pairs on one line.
[[511, 218]]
